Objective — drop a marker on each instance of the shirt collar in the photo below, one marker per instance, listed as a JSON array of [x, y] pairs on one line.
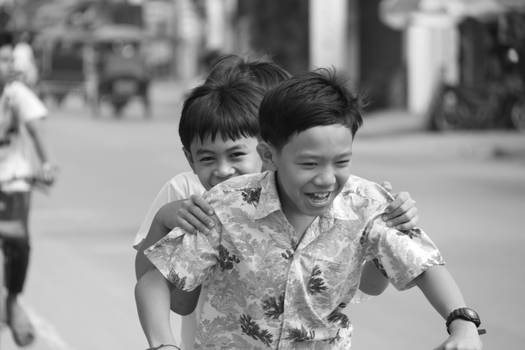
[[269, 201]]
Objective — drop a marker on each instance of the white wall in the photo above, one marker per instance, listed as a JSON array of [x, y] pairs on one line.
[[328, 33], [432, 47]]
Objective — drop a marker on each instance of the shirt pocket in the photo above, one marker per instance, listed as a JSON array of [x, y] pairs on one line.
[[327, 284]]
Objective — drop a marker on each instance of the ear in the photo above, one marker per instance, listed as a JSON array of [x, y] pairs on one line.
[[267, 153], [189, 158]]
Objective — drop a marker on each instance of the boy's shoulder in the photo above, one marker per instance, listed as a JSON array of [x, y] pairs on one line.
[[186, 177], [237, 184], [362, 190], [243, 198], [184, 185]]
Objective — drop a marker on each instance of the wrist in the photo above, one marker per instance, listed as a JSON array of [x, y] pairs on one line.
[[460, 325], [461, 318]]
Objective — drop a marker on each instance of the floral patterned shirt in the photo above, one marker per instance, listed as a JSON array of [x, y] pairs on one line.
[[266, 290]]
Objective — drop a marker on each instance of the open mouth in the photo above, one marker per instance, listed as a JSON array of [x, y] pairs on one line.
[[319, 199]]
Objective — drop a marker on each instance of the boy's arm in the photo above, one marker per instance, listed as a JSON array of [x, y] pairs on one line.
[[158, 229], [191, 214], [152, 296], [48, 170], [442, 292], [155, 296], [400, 213], [191, 256], [33, 129]]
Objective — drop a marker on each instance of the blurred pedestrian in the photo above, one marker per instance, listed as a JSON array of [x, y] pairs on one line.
[[22, 160], [24, 60]]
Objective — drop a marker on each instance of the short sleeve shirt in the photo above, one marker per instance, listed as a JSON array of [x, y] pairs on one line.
[[265, 290], [179, 187], [18, 105]]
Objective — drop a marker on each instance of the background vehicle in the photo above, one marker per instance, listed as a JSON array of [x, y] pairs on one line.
[[496, 105], [491, 89], [118, 71], [60, 53]]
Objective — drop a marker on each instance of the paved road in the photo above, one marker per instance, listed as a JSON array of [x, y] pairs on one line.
[[80, 288]]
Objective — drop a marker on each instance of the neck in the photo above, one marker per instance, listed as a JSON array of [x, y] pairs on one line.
[[298, 220]]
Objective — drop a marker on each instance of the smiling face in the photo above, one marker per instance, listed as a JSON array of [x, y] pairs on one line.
[[312, 168], [215, 161]]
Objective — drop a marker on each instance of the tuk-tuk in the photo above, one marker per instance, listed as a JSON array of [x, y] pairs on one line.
[[60, 54], [118, 72]]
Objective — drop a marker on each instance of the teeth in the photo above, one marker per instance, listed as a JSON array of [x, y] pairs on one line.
[[320, 196]]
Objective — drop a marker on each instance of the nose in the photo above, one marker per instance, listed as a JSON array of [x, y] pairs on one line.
[[224, 170], [325, 178]]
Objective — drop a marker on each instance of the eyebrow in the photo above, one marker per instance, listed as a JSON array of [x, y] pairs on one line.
[[206, 150], [312, 155]]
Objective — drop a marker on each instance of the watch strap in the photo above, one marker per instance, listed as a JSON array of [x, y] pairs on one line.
[[467, 314]]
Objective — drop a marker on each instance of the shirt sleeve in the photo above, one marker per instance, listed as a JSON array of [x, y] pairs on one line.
[[401, 255], [178, 188], [28, 105], [186, 260], [166, 194]]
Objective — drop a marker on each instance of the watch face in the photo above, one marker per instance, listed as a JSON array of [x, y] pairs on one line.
[[471, 313]]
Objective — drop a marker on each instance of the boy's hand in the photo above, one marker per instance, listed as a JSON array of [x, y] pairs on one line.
[[463, 336], [401, 213], [48, 173], [194, 215]]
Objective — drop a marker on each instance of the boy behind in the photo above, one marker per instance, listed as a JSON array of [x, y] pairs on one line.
[[287, 251]]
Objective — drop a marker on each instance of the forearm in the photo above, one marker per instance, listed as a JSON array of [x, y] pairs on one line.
[[157, 230], [166, 216], [152, 296], [373, 282], [441, 290], [33, 131]]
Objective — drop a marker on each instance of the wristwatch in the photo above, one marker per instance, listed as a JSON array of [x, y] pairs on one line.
[[466, 314]]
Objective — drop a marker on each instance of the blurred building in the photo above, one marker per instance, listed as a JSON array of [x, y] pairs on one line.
[[446, 41], [300, 35]]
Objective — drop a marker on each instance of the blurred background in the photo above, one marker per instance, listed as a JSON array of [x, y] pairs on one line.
[[444, 81]]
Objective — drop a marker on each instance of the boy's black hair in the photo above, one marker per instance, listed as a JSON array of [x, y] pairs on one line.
[[262, 72], [312, 99], [227, 109], [6, 38]]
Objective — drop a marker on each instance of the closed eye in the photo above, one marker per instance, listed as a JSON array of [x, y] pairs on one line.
[[237, 154], [206, 159]]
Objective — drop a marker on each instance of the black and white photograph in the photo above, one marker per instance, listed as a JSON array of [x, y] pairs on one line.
[[262, 174]]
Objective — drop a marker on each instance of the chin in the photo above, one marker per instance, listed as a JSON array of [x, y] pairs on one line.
[[315, 211]]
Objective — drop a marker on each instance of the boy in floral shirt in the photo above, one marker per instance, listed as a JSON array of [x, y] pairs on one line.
[[286, 254], [287, 250]]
